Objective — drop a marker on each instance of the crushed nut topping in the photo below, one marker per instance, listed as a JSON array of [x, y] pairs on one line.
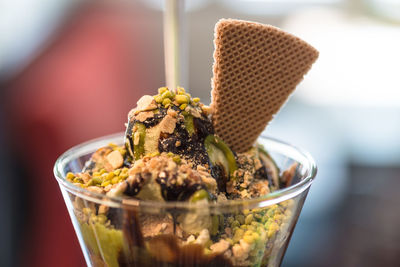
[[167, 125]]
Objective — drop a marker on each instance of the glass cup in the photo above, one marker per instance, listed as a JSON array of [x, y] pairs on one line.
[[117, 231]]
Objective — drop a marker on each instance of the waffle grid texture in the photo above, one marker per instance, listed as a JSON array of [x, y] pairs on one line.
[[256, 68]]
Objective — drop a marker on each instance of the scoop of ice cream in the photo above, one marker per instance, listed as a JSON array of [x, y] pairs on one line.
[[171, 121], [174, 122]]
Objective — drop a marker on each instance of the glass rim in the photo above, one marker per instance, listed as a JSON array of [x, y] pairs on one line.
[[118, 201]]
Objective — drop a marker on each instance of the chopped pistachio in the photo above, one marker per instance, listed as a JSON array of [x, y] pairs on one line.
[[235, 224], [96, 180], [207, 251], [250, 227], [182, 99], [249, 239], [167, 94], [256, 236], [200, 195], [154, 154], [77, 180], [105, 183], [249, 232], [273, 228], [255, 223], [240, 218], [158, 98], [138, 149], [189, 124], [208, 244], [249, 219], [101, 218], [162, 90], [270, 212], [113, 145], [238, 235], [166, 101], [180, 90], [176, 159], [87, 211], [278, 217], [214, 224], [258, 216]]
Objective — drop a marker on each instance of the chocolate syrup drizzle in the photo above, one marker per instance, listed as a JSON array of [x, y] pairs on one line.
[[162, 250]]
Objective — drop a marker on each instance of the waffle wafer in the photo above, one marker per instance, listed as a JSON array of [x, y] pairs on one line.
[[256, 68]]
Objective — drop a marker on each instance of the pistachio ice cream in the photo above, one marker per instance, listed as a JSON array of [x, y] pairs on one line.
[[171, 153]]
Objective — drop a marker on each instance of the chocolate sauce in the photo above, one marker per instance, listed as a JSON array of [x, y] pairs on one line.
[[203, 127], [162, 250], [188, 146], [219, 174], [131, 230], [114, 215], [263, 174], [127, 161], [150, 122], [165, 250], [129, 128], [171, 191], [133, 188]]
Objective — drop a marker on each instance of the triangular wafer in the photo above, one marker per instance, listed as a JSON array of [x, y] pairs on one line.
[[256, 68]]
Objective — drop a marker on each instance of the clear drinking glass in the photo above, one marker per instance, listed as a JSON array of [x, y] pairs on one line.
[[117, 231]]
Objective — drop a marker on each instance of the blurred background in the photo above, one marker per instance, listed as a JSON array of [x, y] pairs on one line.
[[71, 70]]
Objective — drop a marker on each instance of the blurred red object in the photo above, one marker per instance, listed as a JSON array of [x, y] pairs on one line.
[[81, 87]]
